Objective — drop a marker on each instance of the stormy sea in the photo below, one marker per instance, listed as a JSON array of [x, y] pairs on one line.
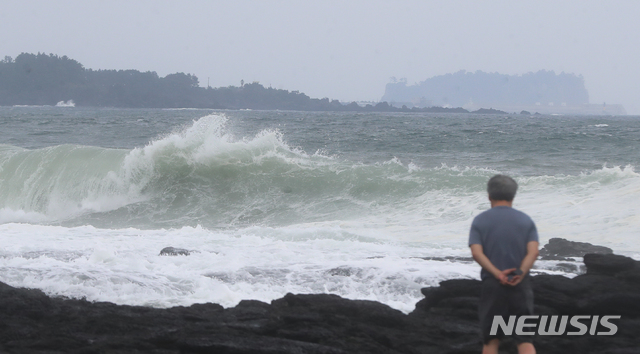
[[369, 206]]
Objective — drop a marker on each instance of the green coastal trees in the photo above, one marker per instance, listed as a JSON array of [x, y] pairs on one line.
[[46, 79], [41, 79]]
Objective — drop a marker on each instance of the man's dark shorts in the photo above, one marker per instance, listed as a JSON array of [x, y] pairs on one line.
[[504, 300]]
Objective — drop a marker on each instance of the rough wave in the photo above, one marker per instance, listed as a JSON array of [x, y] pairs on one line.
[[265, 218], [203, 175]]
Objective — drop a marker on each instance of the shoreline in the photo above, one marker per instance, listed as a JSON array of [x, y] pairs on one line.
[[445, 321]]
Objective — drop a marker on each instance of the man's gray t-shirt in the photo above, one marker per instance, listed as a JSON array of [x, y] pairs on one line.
[[503, 233]]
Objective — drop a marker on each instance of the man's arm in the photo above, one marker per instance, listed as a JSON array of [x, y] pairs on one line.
[[530, 258], [478, 254], [527, 262]]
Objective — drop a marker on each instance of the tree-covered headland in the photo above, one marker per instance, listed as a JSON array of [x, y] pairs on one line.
[[45, 79]]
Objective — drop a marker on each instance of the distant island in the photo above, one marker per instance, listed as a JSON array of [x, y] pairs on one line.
[[48, 79], [542, 91]]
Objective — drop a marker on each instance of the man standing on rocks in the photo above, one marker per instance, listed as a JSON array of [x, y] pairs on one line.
[[504, 241]]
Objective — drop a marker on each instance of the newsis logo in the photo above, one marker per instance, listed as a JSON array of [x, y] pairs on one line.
[[577, 326]]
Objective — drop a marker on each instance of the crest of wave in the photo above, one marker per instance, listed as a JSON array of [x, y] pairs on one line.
[[65, 181], [206, 143]]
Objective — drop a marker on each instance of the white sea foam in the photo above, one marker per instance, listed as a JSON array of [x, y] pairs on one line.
[[123, 266], [599, 207], [68, 103], [371, 257], [275, 219], [8, 215]]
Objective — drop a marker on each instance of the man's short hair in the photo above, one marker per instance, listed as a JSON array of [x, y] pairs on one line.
[[501, 187]]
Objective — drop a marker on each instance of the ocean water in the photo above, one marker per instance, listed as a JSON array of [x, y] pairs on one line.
[[272, 202]]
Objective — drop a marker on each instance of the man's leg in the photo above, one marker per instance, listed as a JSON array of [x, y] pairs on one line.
[[493, 302], [525, 348], [492, 347], [521, 303]]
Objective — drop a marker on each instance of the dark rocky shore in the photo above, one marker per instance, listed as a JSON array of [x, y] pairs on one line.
[[444, 322]]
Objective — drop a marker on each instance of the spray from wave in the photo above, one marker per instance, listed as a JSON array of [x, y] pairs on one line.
[[202, 175], [264, 218], [199, 175]]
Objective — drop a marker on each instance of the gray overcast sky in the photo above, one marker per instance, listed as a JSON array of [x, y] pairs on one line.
[[345, 50]]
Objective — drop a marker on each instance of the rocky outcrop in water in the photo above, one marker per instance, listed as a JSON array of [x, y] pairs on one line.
[[173, 251], [561, 249], [444, 322]]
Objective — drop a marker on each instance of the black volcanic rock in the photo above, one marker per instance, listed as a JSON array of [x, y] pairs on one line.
[[444, 322], [608, 264], [173, 251], [455, 288], [560, 249]]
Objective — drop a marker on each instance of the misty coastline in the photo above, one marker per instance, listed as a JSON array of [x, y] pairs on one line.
[[41, 79]]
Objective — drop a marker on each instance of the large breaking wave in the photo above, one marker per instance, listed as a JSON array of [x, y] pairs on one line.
[[203, 175]]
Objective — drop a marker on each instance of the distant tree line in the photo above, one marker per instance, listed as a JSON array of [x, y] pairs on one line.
[[46, 79], [491, 89]]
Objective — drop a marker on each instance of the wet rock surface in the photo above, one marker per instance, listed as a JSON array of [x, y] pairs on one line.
[[561, 249], [445, 321], [173, 251]]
